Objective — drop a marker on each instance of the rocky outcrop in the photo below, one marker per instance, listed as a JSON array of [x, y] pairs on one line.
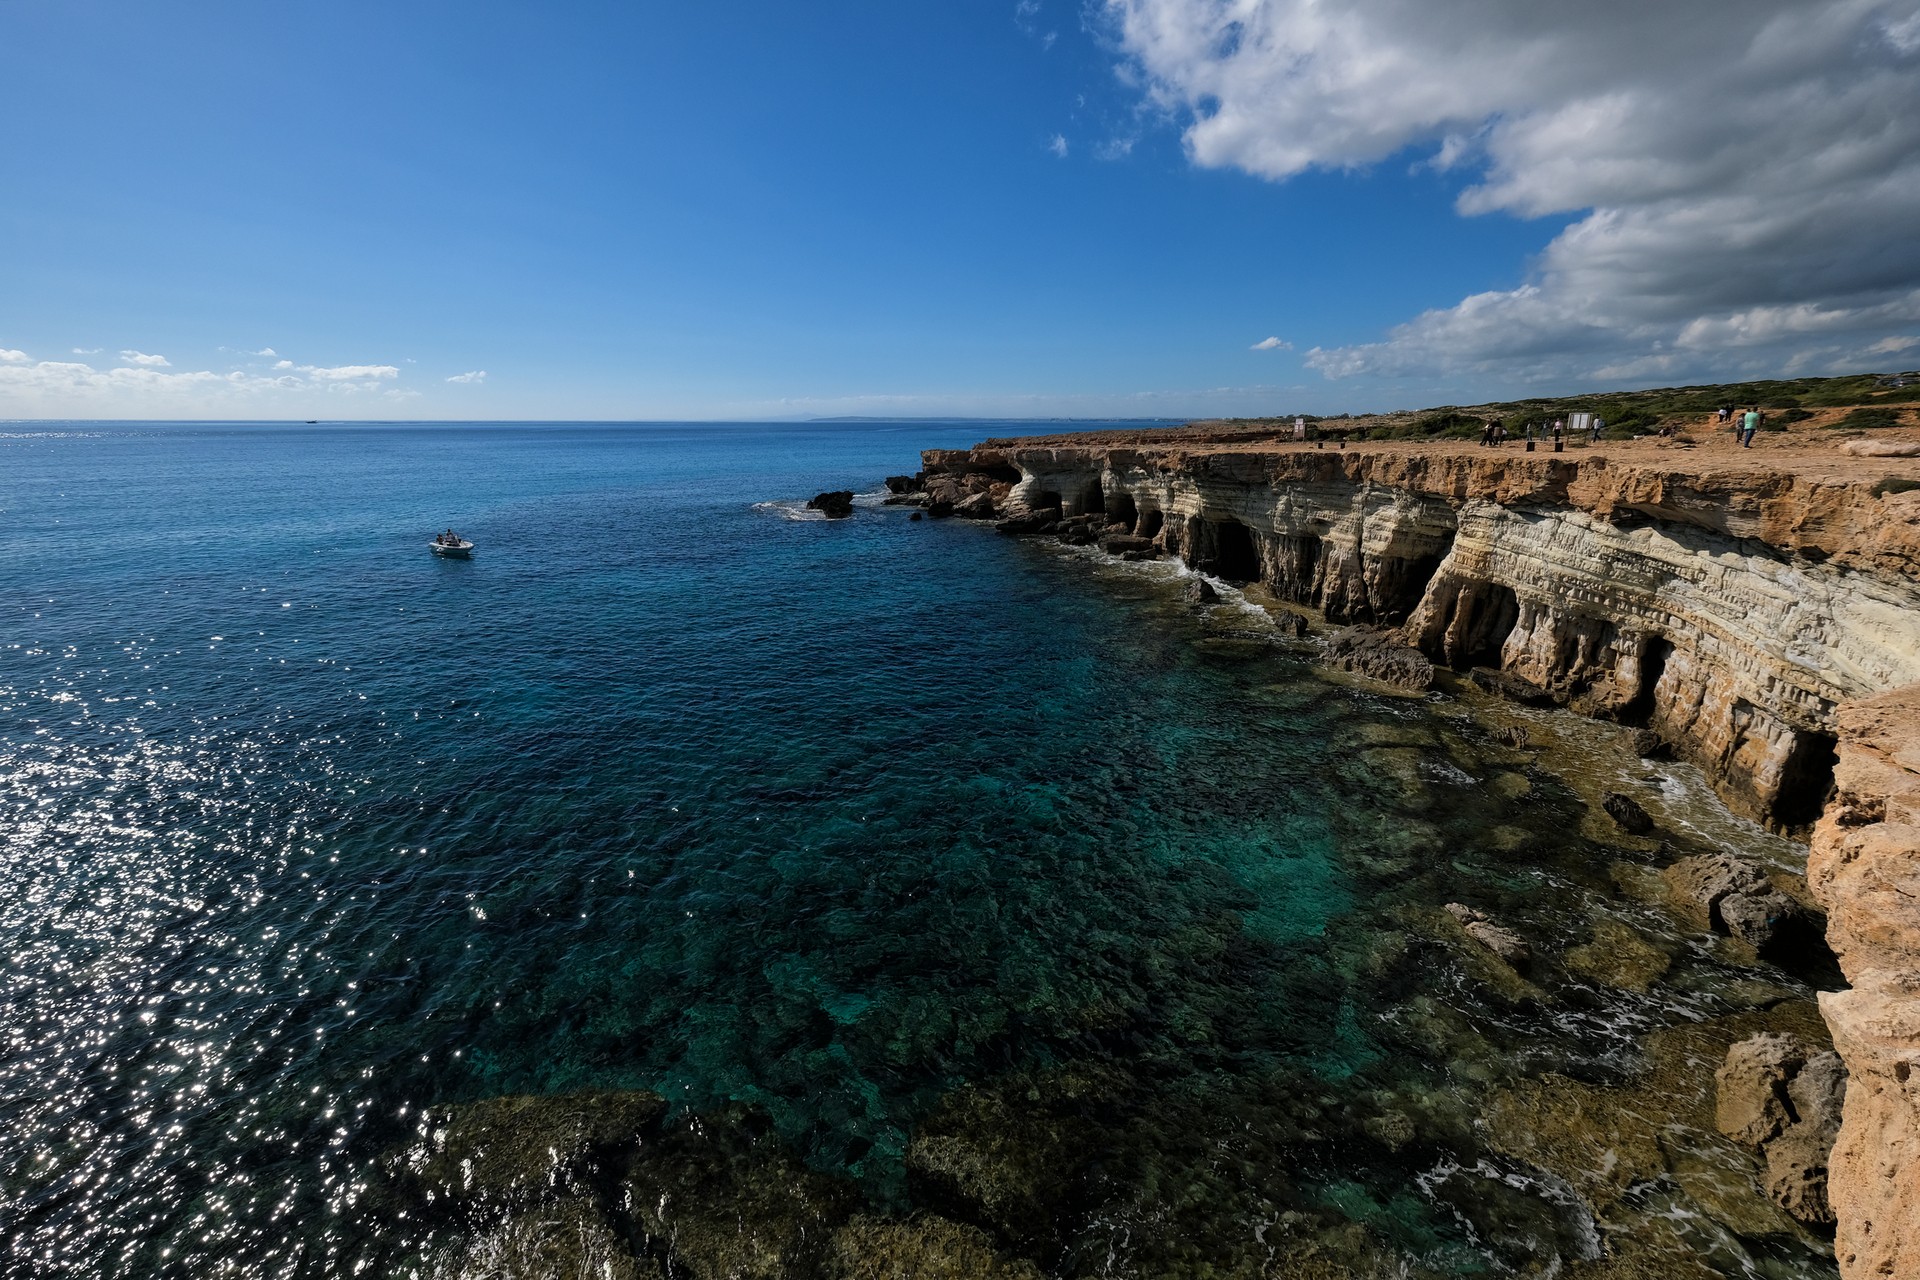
[[1370, 653], [1497, 938], [1865, 871], [1728, 609], [836, 505], [1781, 1097]]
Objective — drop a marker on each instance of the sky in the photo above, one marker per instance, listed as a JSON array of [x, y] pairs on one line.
[[1014, 208]]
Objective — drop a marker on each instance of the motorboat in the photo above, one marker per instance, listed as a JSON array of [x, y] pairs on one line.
[[452, 545]]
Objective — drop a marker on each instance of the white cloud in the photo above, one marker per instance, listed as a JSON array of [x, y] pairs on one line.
[[345, 372], [1744, 174], [265, 351], [13, 357], [472, 375], [1058, 146], [145, 361], [86, 351], [57, 389], [1271, 344]]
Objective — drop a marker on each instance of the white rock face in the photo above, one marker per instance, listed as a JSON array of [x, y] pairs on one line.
[[1675, 612]]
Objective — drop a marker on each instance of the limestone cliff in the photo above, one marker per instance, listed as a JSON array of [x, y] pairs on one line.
[[1865, 870], [1732, 609]]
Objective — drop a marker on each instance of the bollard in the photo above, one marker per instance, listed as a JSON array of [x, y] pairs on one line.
[[1529, 446], [1559, 446]]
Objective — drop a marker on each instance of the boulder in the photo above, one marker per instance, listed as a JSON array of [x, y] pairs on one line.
[[915, 516], [1513, 688], [1020, 523], [1121, 543], [1797, 1159], [1699, 884], [1291, 625], [1512, 735], [1761, 920], [837, 505], [1376, 654], [978, 506], [1626, 811], [1750, 1103], [1503, 942], [903, 484], [1778, 1096], [1200, 591]]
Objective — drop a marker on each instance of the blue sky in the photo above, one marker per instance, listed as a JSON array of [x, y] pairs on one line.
[[1035, 207]]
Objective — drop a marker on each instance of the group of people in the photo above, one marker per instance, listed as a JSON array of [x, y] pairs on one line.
[[1494, 434], [447, 539]]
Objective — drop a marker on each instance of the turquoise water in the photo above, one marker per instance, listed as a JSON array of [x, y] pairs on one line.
[[669, 788]]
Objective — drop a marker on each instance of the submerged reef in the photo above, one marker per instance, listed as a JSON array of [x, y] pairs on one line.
[[1755, 614]]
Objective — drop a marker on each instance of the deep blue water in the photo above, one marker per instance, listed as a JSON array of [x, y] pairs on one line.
[[306, 830]]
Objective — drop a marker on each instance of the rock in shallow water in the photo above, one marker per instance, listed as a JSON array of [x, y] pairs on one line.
[[837, 505], [1503, 942], [1373, 653], [1626, 811], [1200, 591]]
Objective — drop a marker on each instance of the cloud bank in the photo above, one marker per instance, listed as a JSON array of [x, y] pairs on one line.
[[1745, 174], [144, 385]]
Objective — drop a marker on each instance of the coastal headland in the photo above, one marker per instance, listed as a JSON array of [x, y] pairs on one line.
[[1753, 610]]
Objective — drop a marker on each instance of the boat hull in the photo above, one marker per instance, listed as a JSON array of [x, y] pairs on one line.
[[462, 552]]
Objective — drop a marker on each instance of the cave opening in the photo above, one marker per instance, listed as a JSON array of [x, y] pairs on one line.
[[1093, 501], [1152, 520], [1234, 556], [1121, 510], [1806, 779], [1653, 664], [1490, 619], [1045, 500]]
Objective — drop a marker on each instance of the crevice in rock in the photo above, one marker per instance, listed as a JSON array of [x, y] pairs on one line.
[[1654, 652], [1806, 779], [1121, 509]]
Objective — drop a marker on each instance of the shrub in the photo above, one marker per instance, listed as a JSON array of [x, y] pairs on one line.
[[1877, 416]]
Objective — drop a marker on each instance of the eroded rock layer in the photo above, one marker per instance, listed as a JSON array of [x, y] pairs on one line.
[[1730, 610]]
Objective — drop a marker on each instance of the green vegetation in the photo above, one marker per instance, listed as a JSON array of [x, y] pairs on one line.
[[1867, 419], [1630, 413]]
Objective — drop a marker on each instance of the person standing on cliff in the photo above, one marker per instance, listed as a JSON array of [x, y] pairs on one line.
[[1748, 425]]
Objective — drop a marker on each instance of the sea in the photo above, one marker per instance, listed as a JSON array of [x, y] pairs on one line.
[[677, 786]]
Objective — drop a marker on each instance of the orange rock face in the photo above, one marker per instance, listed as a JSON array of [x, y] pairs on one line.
[[1865, 870]]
